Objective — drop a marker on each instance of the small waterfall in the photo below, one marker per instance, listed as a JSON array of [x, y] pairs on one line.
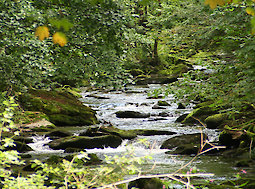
[[39, 145]]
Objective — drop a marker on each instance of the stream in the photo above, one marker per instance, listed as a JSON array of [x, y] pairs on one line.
[[135, 98]]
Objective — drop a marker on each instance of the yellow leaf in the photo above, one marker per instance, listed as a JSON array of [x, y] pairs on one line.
[[213, 3], [250, 11], [42, 32], [59, 38]]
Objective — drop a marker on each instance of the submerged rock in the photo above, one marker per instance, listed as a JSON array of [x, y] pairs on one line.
[[62, 108], [83, 142], [131, 114]]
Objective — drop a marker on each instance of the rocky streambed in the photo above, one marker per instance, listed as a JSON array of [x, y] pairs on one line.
[[107, 122]]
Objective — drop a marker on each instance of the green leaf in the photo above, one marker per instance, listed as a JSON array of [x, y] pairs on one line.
[[61, 24]]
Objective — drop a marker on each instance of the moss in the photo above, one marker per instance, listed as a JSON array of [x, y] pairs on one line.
[[214, 121], [163, 103], [124, 134], [83, 142], [199, 113], [62, 108], [175, 70]]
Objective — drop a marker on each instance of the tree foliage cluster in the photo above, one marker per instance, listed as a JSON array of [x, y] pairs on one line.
[[93, 52], [221, 41]]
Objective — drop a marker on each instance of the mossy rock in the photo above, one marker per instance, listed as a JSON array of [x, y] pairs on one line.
[[124, 134], [163, 103], [131, 114], [191, 139], [156, 80], [215, 121], [62, 109], [83, 142], [20, 147], [148, 183], [175, 70], [200, 113], [57, 134], [28, 117]]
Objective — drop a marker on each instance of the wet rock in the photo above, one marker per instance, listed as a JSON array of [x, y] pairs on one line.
[[23, 139], [146, 183], [62, 108], [232, 138], [214, 121], [131, 114], [164, 114], [180, 106], [144, 132], [58, 134], [20, 147], [92, 132], [157, 119], [158, 107], [156, 80], [72, 150], [124, 134], [163, 103], [25, 156], [97, 97], [187, 139], [93, 159], [83, 142], [199, 113], [181, 118]]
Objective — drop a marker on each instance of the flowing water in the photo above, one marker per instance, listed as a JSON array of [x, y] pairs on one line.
[[135, 98]]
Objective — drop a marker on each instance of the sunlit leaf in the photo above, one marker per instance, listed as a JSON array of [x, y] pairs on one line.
[[250, 11], [59, 38], [214, 3], [62, 23], [42, 32]]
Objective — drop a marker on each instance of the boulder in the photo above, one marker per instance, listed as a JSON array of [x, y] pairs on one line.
[[145, 132], [62, 108], [200, 113], [214, 121], [124, 134], [181, 118], [57, 134], [83, 142], [180, 106], [131, 114], [20, 147], [187, 139], [156, 80], [163, 103], [148, 183]]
